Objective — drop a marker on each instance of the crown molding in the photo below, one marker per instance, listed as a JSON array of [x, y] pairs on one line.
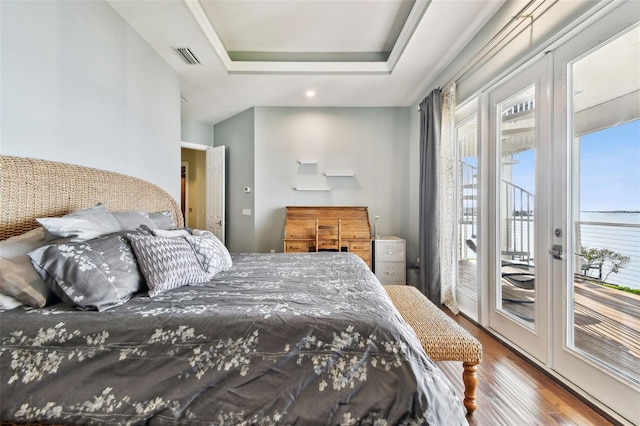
[[293, 67]]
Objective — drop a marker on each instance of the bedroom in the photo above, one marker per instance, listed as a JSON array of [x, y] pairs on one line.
[[91, 91]]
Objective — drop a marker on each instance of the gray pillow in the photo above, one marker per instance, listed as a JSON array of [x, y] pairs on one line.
[[130, 221], [81, 225], [97, 274], [167, 263], [170, 233], [212, 254], [163, 220], [17, 276]]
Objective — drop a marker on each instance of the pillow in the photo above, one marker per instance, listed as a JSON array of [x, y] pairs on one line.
[[167, 263], [170, 233], [212, 254], [130, 221], [8, 302], [163, 220], [17, 276], [96, 274], [80, 225]]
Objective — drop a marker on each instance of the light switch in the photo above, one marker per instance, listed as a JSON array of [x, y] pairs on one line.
[[246, 212]]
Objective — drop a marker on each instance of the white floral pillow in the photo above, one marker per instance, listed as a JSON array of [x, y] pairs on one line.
[[167, 263], [97, 274], [212, 254]]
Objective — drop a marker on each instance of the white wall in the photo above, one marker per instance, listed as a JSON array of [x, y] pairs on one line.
[[237, 135], [194, 131], [371, 142], [79, 85]]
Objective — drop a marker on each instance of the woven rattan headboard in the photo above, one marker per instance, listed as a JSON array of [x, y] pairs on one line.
[[31, 188]]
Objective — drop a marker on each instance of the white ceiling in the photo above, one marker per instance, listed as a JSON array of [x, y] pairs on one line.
[[418, 50], [318, 26]]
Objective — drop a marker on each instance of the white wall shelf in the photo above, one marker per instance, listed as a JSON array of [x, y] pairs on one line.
[[308, 161], [303, 188], [339, 174]]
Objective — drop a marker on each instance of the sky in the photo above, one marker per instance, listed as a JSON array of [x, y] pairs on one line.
[[609, 169]]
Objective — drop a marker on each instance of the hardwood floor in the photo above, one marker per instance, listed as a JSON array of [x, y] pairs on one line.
[[513, 392]]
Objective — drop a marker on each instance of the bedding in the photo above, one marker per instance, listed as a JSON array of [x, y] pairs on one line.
[[275, 339], [270, 339]]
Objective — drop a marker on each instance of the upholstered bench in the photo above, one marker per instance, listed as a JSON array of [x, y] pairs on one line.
[[441, 337]]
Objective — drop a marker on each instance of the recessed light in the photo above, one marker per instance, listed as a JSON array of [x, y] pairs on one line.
[[310, 93]]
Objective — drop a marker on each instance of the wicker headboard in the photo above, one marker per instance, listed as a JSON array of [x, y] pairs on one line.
[[31, 188]]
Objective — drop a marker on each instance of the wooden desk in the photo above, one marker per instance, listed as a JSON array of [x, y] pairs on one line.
[[300, 229]]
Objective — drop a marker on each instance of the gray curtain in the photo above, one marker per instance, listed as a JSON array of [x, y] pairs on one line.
[[429, 231]]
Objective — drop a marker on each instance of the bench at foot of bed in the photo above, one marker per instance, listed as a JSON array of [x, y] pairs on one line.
[[441, 337]]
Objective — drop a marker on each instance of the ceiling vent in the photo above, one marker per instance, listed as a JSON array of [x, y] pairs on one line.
[[187, 55]]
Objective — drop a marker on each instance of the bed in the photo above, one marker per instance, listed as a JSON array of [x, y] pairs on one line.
[[274, 339]]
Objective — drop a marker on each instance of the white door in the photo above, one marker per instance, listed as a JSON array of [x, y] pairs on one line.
[[519, 117], [215, 191], [596, 342]]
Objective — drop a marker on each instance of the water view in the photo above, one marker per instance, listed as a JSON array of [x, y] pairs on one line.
[[618, 232], [610, 198]]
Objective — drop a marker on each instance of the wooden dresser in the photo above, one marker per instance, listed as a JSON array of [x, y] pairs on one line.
[[327, 228]]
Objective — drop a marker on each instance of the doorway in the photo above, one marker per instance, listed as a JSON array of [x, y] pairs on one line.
[[519, 215], [597, 205], [194, 193], [563, 221]]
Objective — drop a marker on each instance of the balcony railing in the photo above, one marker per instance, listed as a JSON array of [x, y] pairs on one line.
[[622, 238], [518, 213]]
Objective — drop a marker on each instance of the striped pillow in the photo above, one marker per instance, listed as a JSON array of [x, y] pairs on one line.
[[167, 263]]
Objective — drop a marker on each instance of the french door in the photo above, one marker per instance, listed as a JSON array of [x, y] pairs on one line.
[[596, 337], [519, 213], [564, 212]]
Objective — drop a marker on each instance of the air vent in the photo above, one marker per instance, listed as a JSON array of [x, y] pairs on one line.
[[187, 55]]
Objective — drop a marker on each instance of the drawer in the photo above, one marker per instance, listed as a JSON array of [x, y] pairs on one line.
[[391, 272], [327, 244], [390, 251], [296, 247], [360, 246]]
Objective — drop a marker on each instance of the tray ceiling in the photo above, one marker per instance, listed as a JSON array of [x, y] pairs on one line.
[[364, 53]]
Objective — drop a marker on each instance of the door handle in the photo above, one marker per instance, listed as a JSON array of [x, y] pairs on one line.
[[219, 223], [556, 252]]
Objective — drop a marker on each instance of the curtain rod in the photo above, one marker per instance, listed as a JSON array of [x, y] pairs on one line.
[[520, 15]]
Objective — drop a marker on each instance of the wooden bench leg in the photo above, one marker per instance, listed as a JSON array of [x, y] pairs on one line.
[[470, 380]]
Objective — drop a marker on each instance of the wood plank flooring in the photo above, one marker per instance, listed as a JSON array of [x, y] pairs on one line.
[[606, 321], [513, 392]]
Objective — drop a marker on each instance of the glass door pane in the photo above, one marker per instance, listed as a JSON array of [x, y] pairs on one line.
[[517, 148], [605, 293], [468, 200]]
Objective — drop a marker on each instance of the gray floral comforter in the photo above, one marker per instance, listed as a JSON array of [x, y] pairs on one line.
[[299, 339]]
